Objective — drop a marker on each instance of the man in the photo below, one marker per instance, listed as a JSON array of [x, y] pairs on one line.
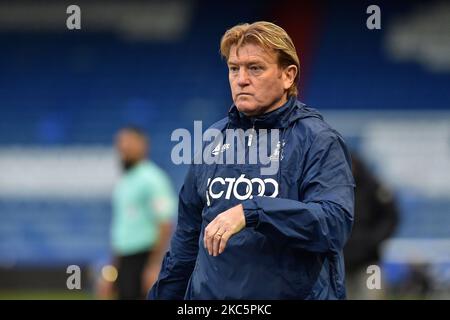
[[244, 235], [376, 218], [143, 205]]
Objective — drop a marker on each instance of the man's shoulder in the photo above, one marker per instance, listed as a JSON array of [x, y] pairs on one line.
[[150, 170], [314, 126], [198, 154], [220, 125]]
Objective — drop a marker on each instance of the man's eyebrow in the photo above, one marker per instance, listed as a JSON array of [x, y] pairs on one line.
[[250, 61]]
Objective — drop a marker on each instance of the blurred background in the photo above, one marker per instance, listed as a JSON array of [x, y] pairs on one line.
[[156, 64]]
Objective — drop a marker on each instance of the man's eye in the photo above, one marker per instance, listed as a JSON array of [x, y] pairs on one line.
[[233, 69], [255, 68]]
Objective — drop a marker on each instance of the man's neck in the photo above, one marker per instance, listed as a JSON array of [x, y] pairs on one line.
[[277, 104], [127, 166]]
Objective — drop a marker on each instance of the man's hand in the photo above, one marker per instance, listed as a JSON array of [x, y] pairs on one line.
[[153, 267], [222, 228], [149, 276], [104, 289]]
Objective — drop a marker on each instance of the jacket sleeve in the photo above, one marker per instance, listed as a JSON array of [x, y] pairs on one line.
[[322, 220], [179, 261]]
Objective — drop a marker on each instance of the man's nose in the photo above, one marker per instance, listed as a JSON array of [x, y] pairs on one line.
[[243, 78]]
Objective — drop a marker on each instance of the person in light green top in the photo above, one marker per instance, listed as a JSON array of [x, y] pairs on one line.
[[144, 206]]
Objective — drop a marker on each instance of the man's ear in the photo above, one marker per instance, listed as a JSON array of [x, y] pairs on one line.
[[289, 74]]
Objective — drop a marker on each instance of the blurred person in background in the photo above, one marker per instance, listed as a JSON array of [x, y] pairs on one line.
[[143, 207], [376, 217]]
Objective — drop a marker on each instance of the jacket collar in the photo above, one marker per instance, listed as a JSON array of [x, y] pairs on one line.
[[276, 119]]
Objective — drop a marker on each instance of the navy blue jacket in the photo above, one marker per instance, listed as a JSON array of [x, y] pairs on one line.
[[296, 224]]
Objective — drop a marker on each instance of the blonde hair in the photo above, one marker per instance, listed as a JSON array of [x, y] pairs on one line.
[[270, 37]]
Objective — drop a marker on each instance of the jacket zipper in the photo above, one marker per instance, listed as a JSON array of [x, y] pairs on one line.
[[250, 137]]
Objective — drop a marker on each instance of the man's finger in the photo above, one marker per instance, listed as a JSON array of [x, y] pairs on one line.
[[223, 241], [216, 240], [205, 234], [210, 231]]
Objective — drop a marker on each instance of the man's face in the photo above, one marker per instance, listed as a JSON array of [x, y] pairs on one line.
[[130, 146], [258, 84]]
